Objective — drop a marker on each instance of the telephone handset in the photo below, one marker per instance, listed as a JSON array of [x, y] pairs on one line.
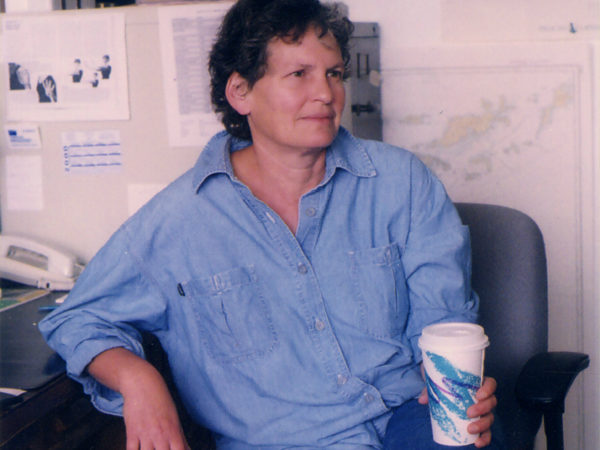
[[29, 262]]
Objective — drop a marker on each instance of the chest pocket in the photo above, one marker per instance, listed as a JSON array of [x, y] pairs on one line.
[[233, 316], [381, 297]]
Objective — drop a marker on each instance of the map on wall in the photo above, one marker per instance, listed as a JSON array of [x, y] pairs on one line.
[[504, 125], [475, 123]]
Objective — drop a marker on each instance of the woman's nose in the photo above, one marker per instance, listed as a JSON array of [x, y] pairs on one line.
[[323, 91]]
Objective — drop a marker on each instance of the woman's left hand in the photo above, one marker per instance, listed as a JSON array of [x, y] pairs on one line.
[[486, 402]]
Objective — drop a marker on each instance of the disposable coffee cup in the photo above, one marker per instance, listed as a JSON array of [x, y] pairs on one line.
[[453, 355]]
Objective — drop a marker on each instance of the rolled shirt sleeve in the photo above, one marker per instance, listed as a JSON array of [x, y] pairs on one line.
[[110, 302]]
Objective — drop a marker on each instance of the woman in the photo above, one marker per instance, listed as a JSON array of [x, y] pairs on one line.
[[287, 276]]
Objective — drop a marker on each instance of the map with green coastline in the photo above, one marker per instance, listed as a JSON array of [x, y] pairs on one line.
[[471, 123]]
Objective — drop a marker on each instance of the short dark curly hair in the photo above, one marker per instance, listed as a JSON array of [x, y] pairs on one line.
[[247, 29]]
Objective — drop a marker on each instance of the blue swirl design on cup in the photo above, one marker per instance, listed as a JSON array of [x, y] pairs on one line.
[[452, 397]]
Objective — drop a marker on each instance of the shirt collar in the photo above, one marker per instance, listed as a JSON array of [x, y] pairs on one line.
[[215, 159], [348, 153], [345, 152]]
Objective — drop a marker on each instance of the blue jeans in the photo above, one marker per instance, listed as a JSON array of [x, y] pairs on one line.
[[410, 429]]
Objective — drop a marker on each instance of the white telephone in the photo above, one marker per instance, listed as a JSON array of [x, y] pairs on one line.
[[26, 261]]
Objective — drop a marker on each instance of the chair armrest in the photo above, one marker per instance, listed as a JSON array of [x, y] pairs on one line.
[[546, 378]]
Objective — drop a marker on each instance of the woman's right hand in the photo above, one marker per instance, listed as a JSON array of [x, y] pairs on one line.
[[150, 415], [151, 419]]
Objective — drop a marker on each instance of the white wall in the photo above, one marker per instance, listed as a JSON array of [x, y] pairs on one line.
[[492, 155]]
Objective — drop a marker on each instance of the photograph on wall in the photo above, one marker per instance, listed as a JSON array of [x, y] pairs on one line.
[[65, 68]]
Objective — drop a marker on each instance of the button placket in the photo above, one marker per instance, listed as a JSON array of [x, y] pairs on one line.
[[310, 211], [317, 320], [298, 248]]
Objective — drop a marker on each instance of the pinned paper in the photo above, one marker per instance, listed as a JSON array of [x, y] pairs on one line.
[[65, 67], [24, 183], [23, 136], [375, 78], [92, 151]]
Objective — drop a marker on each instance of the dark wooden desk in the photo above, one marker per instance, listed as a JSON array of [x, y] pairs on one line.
[[26, 362], [59, 416], [54, 413]]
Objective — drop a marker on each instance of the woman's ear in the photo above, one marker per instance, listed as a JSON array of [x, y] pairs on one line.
[[236, 92]]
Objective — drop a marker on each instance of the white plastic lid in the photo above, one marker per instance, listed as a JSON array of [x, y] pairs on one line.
[[457, 336]]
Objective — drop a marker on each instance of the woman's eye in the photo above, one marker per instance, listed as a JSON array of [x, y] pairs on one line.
[[336, 74], [298, 73]]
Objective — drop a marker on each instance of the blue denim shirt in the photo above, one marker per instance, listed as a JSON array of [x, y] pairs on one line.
[[274, 339]]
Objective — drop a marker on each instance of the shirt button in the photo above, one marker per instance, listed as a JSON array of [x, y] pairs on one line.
[[319, 325], [302, 268], [368, 397], [310, 212], [341, 380]]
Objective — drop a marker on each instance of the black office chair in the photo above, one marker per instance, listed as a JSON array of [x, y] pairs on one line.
[[509, 274]]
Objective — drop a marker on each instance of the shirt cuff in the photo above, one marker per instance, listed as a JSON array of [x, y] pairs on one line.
[[103, 398]]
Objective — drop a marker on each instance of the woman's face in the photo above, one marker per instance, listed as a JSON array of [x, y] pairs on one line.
[[298, 103]]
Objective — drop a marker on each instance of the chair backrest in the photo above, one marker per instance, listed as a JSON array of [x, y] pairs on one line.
[[510, 277]]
